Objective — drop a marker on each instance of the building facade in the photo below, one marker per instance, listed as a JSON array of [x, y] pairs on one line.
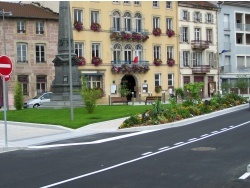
[[234, 45], [31, 43], [198, 45]]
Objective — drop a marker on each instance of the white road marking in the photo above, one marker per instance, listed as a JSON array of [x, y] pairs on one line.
[[244, 176], [214, 132], [136, 159], [231, 126], [163, 148], [192, 139], [178, 143], [204, 135], [147, 153], [5, 66], [224, 129]]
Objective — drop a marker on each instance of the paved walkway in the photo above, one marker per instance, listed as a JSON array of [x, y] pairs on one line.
[[21, 135]]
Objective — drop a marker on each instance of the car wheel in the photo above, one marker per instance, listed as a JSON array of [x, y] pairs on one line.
[[36, 105]]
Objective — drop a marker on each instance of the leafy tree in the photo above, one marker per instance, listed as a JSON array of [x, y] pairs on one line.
[[123, 90], [225, 86], [241, 82], [193, 91], [18, 97]]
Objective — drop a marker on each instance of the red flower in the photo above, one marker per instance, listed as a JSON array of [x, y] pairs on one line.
[[157, 32], [96, 61], [78, 25], [95, 27]]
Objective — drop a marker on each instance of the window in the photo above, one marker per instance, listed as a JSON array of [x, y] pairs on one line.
[[157, 52], [78, 15], [226, 22], [170, 79], [247, 61], [186, 79], [20, 26], [169, 4], [197, 58], [240, 61], [95, 50], [169, 23], [117, 54], [79, 49], [197, 35], [185, 58], [209, 18], [126, 2], [239, 38], [39, 27], [136, 2], [184, 34], [116, 21], [156, 22], [94, 81], [211, 59], [24, 81], [197, 17], [139, 51], [156, 4], [157, 79], [170, 52], [185, 15], [22, 53], [94, 17], [127, 21], [138, 23], [209, 35], [128, 54], [40, 53], [41, 84]]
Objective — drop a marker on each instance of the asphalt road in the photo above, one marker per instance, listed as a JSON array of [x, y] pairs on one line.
[[208, 154]]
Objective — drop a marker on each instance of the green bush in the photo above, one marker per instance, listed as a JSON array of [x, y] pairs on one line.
[[18, 97]]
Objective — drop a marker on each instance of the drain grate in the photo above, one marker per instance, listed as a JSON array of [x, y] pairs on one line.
[[203, 149]]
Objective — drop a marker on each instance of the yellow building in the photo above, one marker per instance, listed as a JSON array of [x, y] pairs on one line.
[[118, 31]]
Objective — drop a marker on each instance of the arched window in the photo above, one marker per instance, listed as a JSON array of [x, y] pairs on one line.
[[117, 54], [116, 21], [138, 23], [139, 53], [127, 22], [128, 54]]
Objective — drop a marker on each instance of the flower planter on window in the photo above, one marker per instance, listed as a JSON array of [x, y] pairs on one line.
[[128, 69], [157, 32], [96, 61], [170, 62], [95, 27], [158, 89], [78, 26], [82, 61], [170, 33], [157, 62]]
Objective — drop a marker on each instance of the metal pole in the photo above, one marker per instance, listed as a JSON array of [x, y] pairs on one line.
[[70, 68]]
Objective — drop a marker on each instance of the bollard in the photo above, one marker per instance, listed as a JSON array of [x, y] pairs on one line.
[[139, 97], [132, 98]]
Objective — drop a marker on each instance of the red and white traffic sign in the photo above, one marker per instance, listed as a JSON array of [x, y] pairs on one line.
[[5, 65]]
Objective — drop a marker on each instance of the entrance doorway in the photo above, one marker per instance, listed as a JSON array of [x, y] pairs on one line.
[[129, 81]]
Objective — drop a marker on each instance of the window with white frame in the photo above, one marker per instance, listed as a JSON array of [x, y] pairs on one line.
[[211, 59], [116, 21], [21, 26], [128, 54], [170, 52], [24, 81], [41, 83], [78, 15], [96, 50], [136, 2], [185, 15], [185, 59], [156, 22], [22, 53], [40, 53], [127, 22], [209, 35], [209, 18], [197, 34], [169, 23], [139, 52], [170, 79], [184, 34], [157, 79], [156, 4], [197, 58], [169, 4], [157, 52], [94, 16], [93, 81], [117, 52], [197, 17], [138, 22], [39, 27], [79, 49]]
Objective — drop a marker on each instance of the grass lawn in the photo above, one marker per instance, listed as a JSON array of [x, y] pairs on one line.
[[81, 117]]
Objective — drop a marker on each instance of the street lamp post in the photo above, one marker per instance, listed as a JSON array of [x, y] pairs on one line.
[[5, 89]]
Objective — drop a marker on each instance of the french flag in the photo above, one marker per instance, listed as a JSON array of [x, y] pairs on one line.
[[136, 59]]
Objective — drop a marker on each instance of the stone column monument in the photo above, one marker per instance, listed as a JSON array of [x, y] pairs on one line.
[[61, 83]]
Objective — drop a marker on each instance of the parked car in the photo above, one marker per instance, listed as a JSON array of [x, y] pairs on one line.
[[38, 100]]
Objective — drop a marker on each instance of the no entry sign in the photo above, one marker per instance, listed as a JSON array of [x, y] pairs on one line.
[[5, 65]]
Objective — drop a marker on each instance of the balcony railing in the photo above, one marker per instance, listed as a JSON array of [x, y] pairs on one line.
[[117, 29], [120, 62], [201, 69], [242, 27], [129, 67], [200, 44]]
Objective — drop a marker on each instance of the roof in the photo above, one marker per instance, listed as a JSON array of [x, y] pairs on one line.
[[198, 4], [30, 11]]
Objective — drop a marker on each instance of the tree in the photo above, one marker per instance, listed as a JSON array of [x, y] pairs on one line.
[[241, 82], [18, 97], [193, 91], [123, 90], [225, 86]]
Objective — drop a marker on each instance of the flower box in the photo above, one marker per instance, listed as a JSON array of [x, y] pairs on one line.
[[157, 62], [128, 69], [170, 33], [157, 32], [170, 62], [82, 61], [95, 27], [78, 25], [96, 61]]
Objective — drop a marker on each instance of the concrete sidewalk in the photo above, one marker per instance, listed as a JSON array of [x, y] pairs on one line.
[[20, 135]]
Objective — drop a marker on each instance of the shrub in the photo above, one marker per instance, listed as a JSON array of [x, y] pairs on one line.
[[18, 97]]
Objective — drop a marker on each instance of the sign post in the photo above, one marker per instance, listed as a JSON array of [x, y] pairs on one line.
[[5, 70]]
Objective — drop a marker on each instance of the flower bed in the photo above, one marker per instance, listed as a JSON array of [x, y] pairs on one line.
[[78, 26]]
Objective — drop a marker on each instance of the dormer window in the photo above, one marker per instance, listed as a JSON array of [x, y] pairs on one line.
[[20, 27], [185, 15]]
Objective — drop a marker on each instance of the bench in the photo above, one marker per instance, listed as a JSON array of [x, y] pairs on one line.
[[152, 99], [119, 100]]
